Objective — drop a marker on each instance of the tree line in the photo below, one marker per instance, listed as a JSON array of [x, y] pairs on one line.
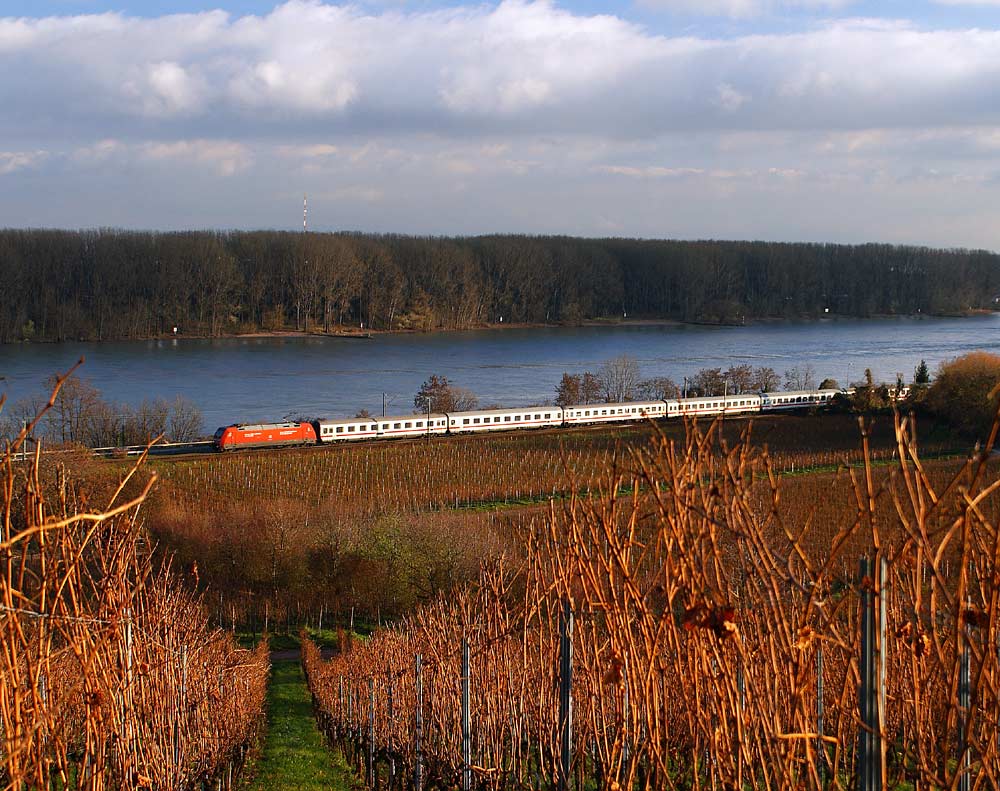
[[619, 379], [114, 284], [80, 415]]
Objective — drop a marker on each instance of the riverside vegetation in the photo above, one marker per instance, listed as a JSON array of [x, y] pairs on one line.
[[108, 284]]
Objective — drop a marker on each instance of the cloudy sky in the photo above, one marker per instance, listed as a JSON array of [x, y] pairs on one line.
[[819, 120]]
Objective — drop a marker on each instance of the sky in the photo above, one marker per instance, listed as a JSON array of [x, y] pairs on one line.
[[787, 120]]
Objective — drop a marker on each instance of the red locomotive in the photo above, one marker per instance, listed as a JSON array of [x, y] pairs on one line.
[[264, 435]]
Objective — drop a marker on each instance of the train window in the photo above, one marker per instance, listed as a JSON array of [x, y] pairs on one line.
[[475, 420], [340, 429], [397, 425], [465, 421], [506, 418], [350, 429], [587, 413], [385, 426], [409, 424], [375, 427], [419, 424], [496, 419], [548, 415], [538, 417]]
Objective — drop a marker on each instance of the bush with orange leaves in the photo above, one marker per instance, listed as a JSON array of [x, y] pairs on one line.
[[965, 391], [110, 676]]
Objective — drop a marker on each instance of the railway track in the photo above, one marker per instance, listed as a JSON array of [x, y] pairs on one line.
[[196, 450]]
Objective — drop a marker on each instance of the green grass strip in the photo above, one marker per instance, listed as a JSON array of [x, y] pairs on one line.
[[295, 756]]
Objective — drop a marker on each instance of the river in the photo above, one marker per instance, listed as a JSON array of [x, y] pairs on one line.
[[251, 379]]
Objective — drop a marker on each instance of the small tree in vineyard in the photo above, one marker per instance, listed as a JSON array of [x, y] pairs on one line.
[[568, 390], [437, 394]]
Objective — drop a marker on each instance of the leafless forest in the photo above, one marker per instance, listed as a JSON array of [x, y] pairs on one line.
[[107, 284]]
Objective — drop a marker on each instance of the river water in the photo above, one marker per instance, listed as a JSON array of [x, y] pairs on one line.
[[251, 379]]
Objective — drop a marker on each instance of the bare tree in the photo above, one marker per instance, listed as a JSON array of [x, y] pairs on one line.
[[146, 422], [707, 382], [801, 377], [185, 423], [619, 378], [439, 395], [74, 408], [568, 390], [765, 380], [657, 388], [462, 399], [590, 389], [740, 378]]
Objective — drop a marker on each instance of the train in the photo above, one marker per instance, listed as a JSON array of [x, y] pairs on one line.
[[322, 432]]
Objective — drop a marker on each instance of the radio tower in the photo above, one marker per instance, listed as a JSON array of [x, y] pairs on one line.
[[305, 212]]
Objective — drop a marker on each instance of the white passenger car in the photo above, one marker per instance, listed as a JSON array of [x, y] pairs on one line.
[[502, 419], [346, 429], [393, 427], [715, 405], [795, 399], [607, 413]]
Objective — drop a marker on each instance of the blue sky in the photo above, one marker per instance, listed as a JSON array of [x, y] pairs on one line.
[[820, 120], [662, 17]]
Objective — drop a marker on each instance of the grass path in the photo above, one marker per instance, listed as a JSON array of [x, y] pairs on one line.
[[295, 755]]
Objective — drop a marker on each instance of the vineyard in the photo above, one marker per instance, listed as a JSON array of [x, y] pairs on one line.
[[110, 674], [379, 528], [715, 629], [456, 472]]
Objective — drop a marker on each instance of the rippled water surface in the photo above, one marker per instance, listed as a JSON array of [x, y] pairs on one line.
[[244, 379]]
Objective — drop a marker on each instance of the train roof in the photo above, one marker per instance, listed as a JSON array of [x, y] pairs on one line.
[[512, 411], [264, 426], [640, 404], [797, 393], [396, 418], [729, 397]]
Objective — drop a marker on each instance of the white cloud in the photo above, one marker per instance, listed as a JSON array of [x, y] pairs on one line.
[[650, 171], [170, 89], [522, 67], [11, 161], [99, 151], [738, 9], [309, 151], [223, 156], [729, 99], [516, 115]]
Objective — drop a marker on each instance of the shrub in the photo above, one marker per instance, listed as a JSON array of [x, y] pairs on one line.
[[964, 392]]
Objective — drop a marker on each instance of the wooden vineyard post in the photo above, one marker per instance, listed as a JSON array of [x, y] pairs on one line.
[[820, 744], [466, 720], [871, 692], [392, 758], [371, 731], [418, 724], [964, 705], [565, 695]]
